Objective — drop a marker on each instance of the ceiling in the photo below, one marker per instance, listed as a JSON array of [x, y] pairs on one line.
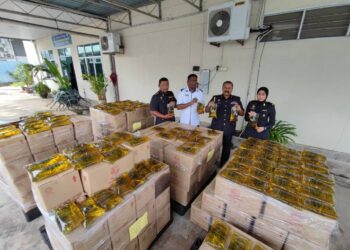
[[34, 19]]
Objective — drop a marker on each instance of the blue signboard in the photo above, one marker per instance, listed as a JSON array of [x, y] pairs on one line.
[[60, 40]]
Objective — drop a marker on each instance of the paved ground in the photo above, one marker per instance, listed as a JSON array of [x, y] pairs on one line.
[[14, 103]]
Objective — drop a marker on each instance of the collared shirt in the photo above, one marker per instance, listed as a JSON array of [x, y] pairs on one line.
[[223, 112], [159, 102], [189, 115]]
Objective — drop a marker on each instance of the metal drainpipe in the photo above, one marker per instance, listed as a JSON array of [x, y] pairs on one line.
[[112, 63]]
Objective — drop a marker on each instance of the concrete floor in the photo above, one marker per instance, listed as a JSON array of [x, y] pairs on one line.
[[16, 233], [14, 103]]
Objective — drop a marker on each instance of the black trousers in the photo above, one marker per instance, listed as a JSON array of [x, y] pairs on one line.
[[226, 149]]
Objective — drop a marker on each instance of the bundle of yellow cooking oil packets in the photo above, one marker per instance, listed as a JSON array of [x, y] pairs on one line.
[[114, 108], [8, 131], [43, 121], [298, 178], [222, 236], [54, 165]]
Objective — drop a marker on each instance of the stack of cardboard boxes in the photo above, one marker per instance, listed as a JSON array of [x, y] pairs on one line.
[[120, 116], [277, 222], [134, 223], [224, 236], [189, 171], [14, 155], [24, 148]]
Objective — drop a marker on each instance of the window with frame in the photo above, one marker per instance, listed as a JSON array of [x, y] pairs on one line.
[[90, 59], [47, 54]]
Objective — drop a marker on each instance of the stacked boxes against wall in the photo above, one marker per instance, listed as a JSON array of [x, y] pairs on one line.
[[282, 196], [35, 138], [191, 153], [120, 116], [14, 155], [223, 236], [106, 195]]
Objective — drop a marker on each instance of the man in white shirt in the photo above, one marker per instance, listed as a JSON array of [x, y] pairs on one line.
[[187, 101]]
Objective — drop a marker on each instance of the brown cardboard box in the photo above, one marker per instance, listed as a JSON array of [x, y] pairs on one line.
[[145, 194], [238, 196], [217, 139], [200, 217], [85, 139], [53, 191], [149, 121], [63, 134], [13, 148], [45, 154], [21, 187], [183, 161], [141, 151], [102, 175], [294, 242], [82, 126], [183, 179], [301, 223], [121, 238], [136, 125], [182, 196], [104, 124], [133, 245], [107, 245], [150, 208], [147, 237], [162, 180], [163, 217], [40, 142], [162, 200], [13, 170], [61, 147], [123, 214], [136, 115], [80, 238], [157, 147]]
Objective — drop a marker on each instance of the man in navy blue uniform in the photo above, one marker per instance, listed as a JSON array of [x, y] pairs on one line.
[[228, 108], [163, 103], [260, 115]]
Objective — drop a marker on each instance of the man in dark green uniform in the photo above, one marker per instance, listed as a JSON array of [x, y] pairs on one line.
[[163, 103], [228, 108]]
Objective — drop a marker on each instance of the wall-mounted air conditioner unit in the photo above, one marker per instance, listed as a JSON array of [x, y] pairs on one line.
[[229, 21], [110, 43]]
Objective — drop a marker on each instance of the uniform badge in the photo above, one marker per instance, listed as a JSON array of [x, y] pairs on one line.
[[253, 106]]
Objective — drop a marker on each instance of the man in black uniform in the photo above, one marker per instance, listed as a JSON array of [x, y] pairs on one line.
[[163, 103], [228, 108], [260, 115]]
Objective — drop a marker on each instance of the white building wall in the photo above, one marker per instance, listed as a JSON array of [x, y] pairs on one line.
[[308, 79], [83, 85]]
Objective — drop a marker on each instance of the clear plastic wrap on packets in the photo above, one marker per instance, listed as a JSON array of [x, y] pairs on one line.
[[8, 131], [223, 236], [292, 229], [292, 209], [99, 231]]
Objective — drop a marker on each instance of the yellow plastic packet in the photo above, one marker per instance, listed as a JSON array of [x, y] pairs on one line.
[[107, 199], [217, 235], [68, 217], [91, 211], [9, 131], [54, 165], [239, 242]]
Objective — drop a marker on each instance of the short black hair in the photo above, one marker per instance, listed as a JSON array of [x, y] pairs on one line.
[[163, 79], [228, 82], [191, 75]]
